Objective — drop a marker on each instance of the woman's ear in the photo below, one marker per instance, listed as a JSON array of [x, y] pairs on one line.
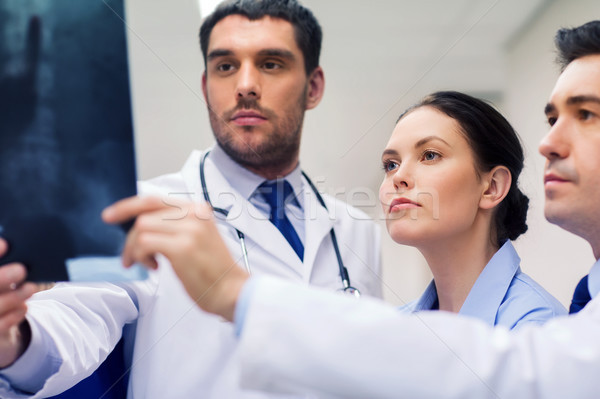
[[498, 182]]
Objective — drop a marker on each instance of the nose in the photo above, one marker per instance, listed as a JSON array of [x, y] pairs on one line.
[[403, 177], [394, 184], [248, 84], [555, 144]]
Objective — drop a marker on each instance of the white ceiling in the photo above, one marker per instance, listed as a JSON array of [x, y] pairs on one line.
[[381, 56], [453, 42]]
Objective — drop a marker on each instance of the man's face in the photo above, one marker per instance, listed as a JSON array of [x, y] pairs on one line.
[[257, 90], [572, 150]]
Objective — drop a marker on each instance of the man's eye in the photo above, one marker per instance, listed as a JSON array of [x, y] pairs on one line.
[[272, 65], [225, 67], [584, 114], [551, 120]]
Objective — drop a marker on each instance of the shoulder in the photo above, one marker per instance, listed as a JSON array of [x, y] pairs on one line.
[[172, 182], [526, 301], [161, 185]]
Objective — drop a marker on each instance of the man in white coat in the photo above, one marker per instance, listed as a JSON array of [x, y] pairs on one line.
[[262, 73], [300, 340]]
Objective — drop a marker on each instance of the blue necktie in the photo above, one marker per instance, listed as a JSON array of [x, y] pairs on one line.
[[275, 194], [581, 296]]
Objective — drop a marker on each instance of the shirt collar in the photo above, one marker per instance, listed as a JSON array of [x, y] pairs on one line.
[[427, 300], [491, 286], [246, 182], [594, 279], [489, 289]]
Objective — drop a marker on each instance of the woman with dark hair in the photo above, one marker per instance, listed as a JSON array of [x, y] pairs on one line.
[[450, 190]]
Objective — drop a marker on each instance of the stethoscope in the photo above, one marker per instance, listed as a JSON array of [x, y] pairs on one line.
[[346, 287]]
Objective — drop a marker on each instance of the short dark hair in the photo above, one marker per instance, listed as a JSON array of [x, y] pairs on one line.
[[306, 27], [494, 142], [573, 43]]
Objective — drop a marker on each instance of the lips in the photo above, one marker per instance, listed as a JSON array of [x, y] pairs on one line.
[[551, 178], [399, 204], [247, 118]]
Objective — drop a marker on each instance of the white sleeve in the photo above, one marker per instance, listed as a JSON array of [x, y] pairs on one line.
[[74, 326], [300, 340]]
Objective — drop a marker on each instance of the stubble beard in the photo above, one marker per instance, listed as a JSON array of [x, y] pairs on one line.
[[278, 149]]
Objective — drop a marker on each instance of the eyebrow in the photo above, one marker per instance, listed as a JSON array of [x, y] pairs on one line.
[[550, 108], [424, 140], [270, 52], [427, 139], [275, 52], [389, 151], [218, 53]]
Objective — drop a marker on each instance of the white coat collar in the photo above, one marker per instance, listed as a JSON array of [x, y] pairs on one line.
[[245, 217]]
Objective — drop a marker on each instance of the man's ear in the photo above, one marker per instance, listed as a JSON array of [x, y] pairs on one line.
[[316, 88], [204, 86], [498, 182]]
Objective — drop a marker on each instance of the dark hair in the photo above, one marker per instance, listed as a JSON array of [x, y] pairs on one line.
[[494, 142], [306, 27], [573, 43]]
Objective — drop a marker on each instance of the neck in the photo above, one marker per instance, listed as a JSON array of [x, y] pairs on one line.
[[588, 231], [594, 241], [273, 172], [456, 263]]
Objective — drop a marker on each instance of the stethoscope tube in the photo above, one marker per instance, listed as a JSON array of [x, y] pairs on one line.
[[344, 275]]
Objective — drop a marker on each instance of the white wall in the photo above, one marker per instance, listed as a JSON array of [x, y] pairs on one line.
[[166, 66], [553, 257]]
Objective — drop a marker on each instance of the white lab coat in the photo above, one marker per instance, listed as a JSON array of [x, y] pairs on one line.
[[299, 340], [180, 351]]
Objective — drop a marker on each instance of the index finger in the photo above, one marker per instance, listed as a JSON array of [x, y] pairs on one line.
[[11, 276], [3, 246], [128, 208]]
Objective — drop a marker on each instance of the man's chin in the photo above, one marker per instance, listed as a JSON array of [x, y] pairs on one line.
[[567, 220], [555, 216]]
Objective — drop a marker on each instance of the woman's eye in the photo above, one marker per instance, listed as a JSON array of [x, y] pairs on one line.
[[389, 166], [430, 156]]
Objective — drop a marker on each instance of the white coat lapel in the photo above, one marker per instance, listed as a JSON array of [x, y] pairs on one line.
[[260, 231], [318, 224], [191, 177], [243, 216]]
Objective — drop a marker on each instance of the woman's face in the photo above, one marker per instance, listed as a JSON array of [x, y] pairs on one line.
[[431, 189]]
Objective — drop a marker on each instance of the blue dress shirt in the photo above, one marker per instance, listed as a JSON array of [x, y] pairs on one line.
[[501, 295], [594, 279]]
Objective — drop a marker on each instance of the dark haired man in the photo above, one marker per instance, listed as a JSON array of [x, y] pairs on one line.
[[262, 74], [321, 343]]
